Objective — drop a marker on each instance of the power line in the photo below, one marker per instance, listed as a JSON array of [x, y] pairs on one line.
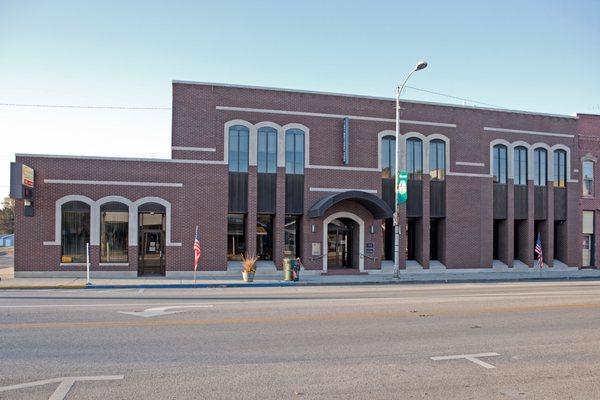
[[78, 106], [454, 97]]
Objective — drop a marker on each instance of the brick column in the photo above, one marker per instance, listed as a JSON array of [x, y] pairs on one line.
[[422, 255], [548, 228], [132, 256], [526, 253], [507, 228], [251, 214], [279, 222]]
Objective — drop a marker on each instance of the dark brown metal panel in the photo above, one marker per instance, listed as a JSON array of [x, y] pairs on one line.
[[294, 194], [414, 203], [388, 191], [540, 201], [500, 200], [267, 192], [437, 202], [521, 202], [238, 192], [560, 204]]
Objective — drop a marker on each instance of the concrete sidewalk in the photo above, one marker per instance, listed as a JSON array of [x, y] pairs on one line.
[[203, 281]]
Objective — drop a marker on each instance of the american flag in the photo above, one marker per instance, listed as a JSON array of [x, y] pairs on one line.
[[538, 250], [197, 250]]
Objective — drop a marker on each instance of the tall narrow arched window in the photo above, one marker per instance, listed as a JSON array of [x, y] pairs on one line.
[[294, 151], [500, 163], [267, 150], [520, 165], [414, 158], [388, 157], [75, 231], [437, 159], [540, 167], [588, 178], [114, 228], [238, 148], [560, 168]]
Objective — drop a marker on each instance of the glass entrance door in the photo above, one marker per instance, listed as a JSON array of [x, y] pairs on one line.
[[339, 244], [151, 246]]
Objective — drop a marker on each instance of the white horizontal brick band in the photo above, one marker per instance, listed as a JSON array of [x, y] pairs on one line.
[[470, 164], [538, 133], [319, 189], [182, 148], [113, 183]]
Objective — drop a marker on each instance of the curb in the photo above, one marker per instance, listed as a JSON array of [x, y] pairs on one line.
[[296, 284]]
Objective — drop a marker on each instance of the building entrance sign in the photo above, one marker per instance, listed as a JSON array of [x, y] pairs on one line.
[[401, 187]]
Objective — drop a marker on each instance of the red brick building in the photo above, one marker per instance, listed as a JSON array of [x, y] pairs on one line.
[[278, 172]]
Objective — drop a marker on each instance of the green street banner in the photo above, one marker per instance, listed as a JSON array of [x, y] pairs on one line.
[[401, 187]]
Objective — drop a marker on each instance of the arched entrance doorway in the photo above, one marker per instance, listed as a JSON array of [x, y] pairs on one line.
[[340, 243], [151, 245]]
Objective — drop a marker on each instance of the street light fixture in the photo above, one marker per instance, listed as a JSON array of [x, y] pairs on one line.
[[420, 65]]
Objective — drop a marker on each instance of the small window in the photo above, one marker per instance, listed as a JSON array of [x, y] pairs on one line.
[[236, 236], [238, 148], [520, 166], [75, 231], [437, 159], [294, 151], [114, 229], [388, 157], [560, 168], [540, 169], [500, 163], [414, 158], [267, 150], [588, 178]]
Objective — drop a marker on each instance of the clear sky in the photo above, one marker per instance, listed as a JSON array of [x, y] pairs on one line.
[[531, 55]]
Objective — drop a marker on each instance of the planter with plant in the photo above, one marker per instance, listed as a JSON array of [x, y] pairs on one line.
[[248, 267]]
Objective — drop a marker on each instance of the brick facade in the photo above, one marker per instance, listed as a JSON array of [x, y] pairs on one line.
[[197, 180]]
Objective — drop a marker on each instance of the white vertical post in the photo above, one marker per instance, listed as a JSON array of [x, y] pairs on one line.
[[87, 255]]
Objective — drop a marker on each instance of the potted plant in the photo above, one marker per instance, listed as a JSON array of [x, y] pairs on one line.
[[248, 267]]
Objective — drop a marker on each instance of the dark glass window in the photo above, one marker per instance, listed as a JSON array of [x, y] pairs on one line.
[[267, 150], [388, 157], [236, 236], [540, 169], [75, 231], [588, 178], [264, 236], [291, 236], [238, 148], [500, 163], [114, 227], [414, 158], [560, 168], [437, 159], [520, 166], [294, 151]]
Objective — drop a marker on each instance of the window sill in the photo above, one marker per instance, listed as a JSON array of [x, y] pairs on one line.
[[73, 264], [113, 264]]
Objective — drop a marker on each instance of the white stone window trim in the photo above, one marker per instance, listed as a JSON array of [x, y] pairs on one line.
[[95, 217]]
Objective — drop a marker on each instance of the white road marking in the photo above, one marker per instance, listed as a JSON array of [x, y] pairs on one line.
[[160, 311], [65, 385], [141, 291], [471, 357]]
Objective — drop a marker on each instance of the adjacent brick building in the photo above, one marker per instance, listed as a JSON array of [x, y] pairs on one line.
[[284, 173]]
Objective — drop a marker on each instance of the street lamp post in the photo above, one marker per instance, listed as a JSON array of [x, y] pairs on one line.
[[420, 65]]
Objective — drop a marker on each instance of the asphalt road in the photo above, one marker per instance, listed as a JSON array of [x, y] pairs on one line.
[[375, 342]]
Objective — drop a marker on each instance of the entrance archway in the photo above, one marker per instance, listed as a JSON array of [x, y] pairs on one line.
[[344, 226]]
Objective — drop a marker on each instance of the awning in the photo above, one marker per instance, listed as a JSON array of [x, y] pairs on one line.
[[378, 208]]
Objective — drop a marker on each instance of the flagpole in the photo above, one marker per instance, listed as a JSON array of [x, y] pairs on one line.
[[195, 265]]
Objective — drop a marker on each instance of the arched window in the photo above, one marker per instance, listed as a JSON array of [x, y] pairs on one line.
[[560, 168], [114, 228], [267, 150], [238, 148], [500, 163], [588, 178], [75, 231], [540, 167], [414, 158], [294, 151], [437, 159], [520, 166], [388, 157]]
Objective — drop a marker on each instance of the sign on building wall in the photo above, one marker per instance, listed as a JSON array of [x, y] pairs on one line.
[[401, 187], [316, 249], [27, 175], [346, 140]]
